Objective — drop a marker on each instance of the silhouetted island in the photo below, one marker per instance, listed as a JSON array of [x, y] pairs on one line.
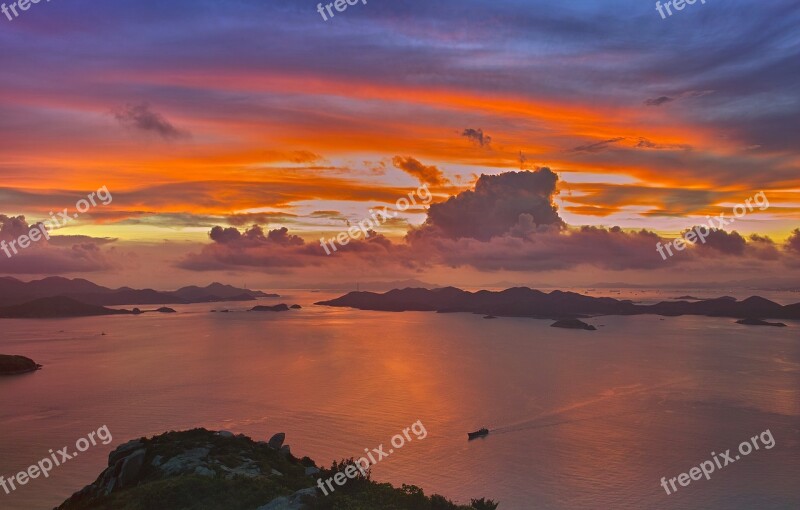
[[525, 302], [14, 292], [572, 324], [14, 365], [201, 469], [56, 307], [759, 322], [264, 308]]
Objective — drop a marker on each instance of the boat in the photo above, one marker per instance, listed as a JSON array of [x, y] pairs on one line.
[[478, 433]]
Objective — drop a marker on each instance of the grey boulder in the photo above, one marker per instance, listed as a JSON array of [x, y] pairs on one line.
[[276, 441], [293, 502], [131, 467]]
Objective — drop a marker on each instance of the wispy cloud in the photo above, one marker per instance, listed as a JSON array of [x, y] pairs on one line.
[[142, 117], [426, 174], [658, 101], [599, 146], [477, 136]]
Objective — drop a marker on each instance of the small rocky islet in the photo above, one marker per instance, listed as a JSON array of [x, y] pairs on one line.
[[15, 365], [759, 322], [275, 308], [573, 324]]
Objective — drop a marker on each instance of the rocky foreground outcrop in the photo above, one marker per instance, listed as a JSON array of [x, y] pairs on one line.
[[204, 470]]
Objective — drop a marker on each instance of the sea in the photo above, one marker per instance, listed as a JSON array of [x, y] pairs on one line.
[[577, 419]]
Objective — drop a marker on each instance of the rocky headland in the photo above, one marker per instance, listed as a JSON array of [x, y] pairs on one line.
[[56, 307]]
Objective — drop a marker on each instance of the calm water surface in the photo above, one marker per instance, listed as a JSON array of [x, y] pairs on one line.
[[580, 420]]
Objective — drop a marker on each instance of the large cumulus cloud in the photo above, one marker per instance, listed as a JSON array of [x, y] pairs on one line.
[[731, 243], [507, 222], [497, 205]]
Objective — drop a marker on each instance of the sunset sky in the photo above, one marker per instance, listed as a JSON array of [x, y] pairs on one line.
[[239, 113]]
